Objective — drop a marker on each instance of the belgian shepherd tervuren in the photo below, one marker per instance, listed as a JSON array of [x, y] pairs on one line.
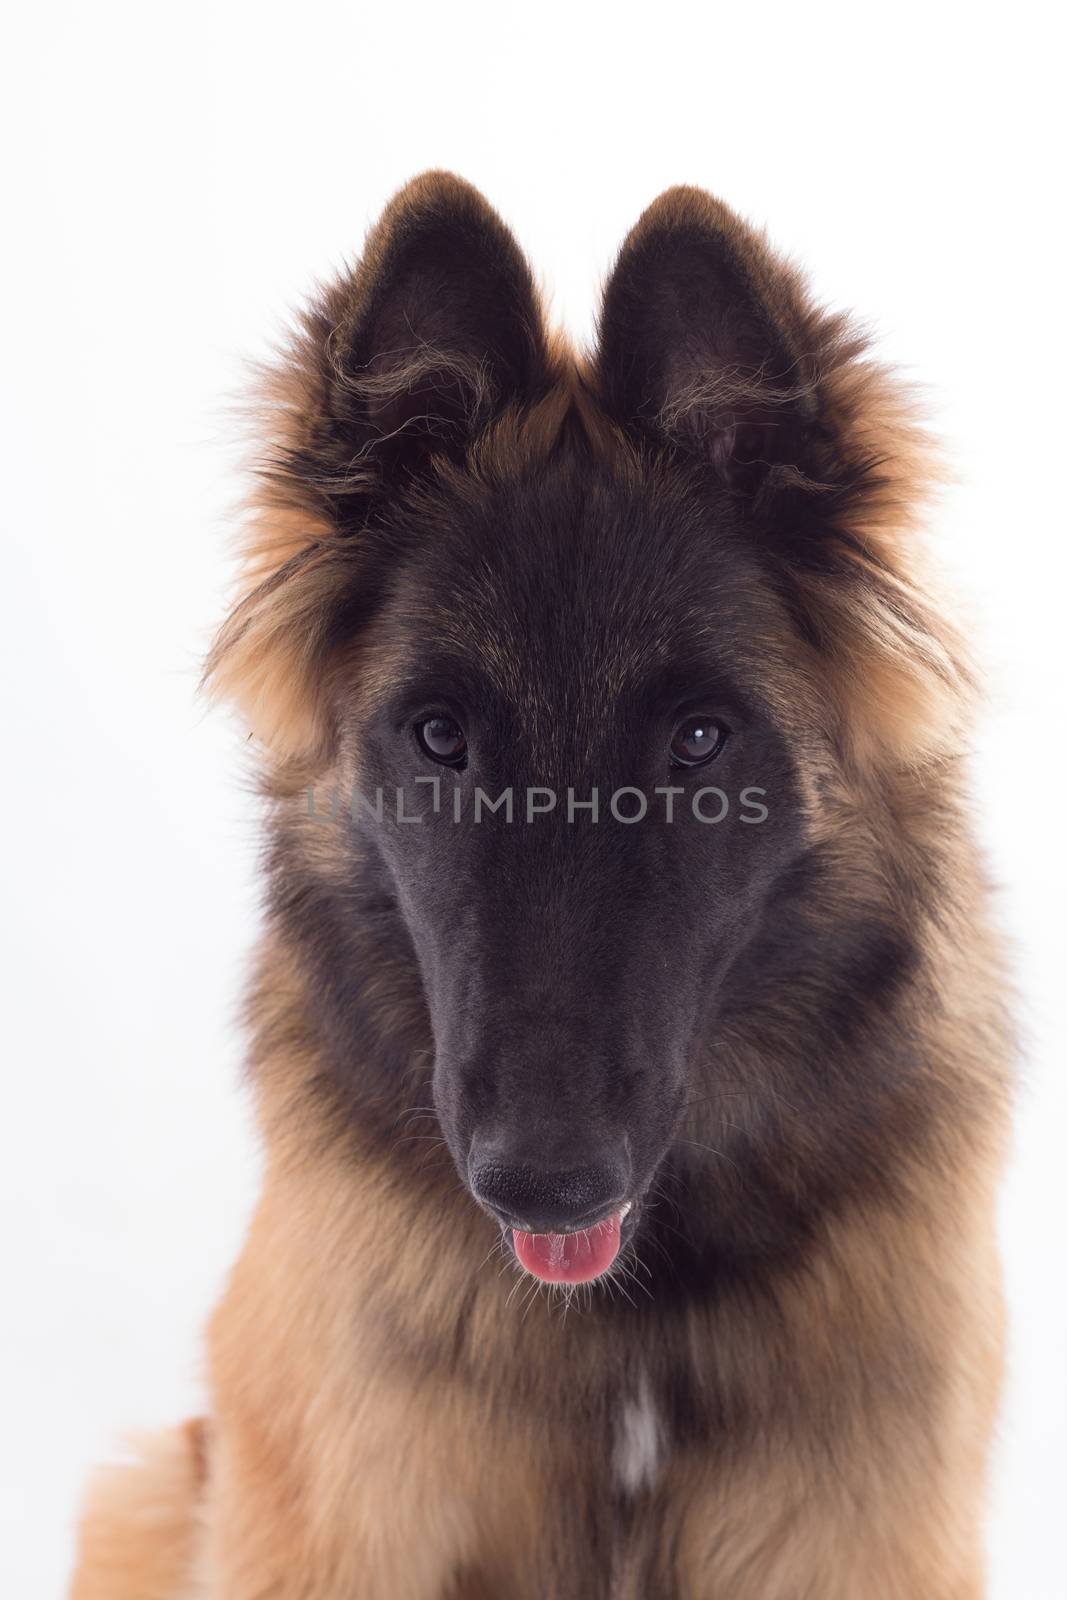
[[627, 1037]]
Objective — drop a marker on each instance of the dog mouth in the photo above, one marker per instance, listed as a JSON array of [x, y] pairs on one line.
[[576, 1257]]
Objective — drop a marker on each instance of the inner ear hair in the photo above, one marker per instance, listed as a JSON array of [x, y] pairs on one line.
[[420, 399], [746, 422]]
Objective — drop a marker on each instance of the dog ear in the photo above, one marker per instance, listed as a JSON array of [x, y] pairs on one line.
[[711, 346], [700, 342], [437, 331], [404, 360]]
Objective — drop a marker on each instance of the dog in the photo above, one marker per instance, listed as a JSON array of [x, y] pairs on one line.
[[628, 1034]]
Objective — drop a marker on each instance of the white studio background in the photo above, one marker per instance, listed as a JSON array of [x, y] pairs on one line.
[[176, 178]]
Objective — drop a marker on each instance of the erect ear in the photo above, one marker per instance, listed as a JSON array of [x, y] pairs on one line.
[[701, 343], [410, 356], [437, 331], [712, 345]]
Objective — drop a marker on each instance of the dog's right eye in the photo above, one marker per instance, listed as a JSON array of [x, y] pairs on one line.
[[696, 742], [442, 740]]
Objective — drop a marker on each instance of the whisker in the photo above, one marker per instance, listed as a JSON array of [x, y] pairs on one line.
[[711, 1148]]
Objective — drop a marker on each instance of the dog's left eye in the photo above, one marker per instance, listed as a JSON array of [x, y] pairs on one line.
[[696, 741], [443, 740]]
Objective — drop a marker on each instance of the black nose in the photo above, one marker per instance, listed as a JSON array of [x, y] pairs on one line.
[[539, 1197]]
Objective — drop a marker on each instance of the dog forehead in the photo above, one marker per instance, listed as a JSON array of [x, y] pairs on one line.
[[578, 592], [565, 646]]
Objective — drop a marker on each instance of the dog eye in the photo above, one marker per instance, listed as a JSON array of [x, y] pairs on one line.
[[443, 740], [697, 741]]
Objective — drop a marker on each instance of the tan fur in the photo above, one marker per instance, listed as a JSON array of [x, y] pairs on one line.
[[341, 1469], [140, 1535]]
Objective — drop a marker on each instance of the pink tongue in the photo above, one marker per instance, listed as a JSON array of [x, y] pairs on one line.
[[570, 1257]]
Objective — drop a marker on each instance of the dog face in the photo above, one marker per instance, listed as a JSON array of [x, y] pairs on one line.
[[586, 644], [582, 656]]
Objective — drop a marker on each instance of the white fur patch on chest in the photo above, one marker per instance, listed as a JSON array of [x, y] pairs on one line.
[[640, 1443]]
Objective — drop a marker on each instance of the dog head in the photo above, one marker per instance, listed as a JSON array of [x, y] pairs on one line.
[[579, 658]]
